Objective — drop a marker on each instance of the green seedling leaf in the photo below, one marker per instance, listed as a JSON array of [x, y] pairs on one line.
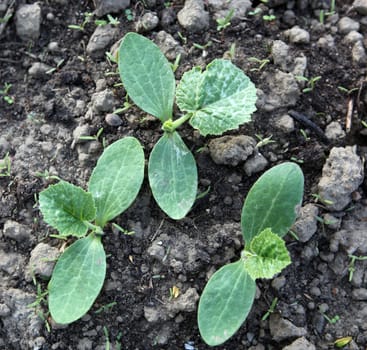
[[173, 175], [221, 99], [266, 255], [147, 75], [117, 178], [77, 280], [66, 207], [225, 303], [272, 201]]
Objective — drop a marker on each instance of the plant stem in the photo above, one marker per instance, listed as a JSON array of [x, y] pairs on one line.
[[171, 126]]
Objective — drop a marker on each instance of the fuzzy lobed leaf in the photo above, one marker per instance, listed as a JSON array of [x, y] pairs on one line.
[[266, 256], [225, 303], [77, 280], [117, 178], [272, 201], [146, 75], [221, 98], [173, 175], [65, 207]]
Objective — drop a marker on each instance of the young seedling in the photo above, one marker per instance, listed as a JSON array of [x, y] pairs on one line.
[[5, 166], [80, 271], [110, 20], [223, 23], [269, 18], [261, 63], [271, 309], [309, 81], [87, 18], [347, 91], [5, 93], [351, 267], [129, 15], [213, 101], [269, 211]]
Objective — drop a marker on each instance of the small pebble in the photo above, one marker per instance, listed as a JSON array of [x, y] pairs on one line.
[[113, 119]]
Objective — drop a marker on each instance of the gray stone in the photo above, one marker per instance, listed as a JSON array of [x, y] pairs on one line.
[[169, 46], [28, 21], [342, 174], [359, 294], [284, 123], [53, 46], [100, 40], [11, 263], [332, 221], [113, 119], [359, 54], [231, 150], [104, 101], [193, 17], [300, 344], [104, 7], [4, 310], [360, 6], [278, 282], [39, 70], [156, 250], [16, 231], [353, 37], [185, 302], [221, 8], [306, 224], [280, 53], [326, 42], [152, 314], [283, 91], [148, 22], [334, 131], [289, 18], [42, 261], [299, 66], [346, 25], [282, 329], [297, 35], [255, 164]]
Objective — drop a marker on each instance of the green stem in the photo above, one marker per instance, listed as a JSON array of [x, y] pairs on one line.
[[95, 228], [171, 126]]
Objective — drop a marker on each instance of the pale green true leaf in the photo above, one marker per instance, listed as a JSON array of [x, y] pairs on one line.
[[117, 178], [66, 207], [225, 303], [266, 256], [147, 75], [77, 280], [221, 99], [273, 201], [189, 91], [173, 175]]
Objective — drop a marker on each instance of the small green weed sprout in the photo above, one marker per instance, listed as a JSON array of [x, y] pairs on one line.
[[110, 20], [80, 271], [87, 18], [214, 100], [5, 166], [271, 309], [268, 213], [351, 267], [261, 63], [269, 18], [5, 93], [347, 91], [223, 23], [129, 15], [309, 81]]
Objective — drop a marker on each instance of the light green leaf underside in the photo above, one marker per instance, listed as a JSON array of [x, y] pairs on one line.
[[147, 75], [220, 100], [272, 201], [173, 175], [66, 207], [225, 303], [77, 280], [117, 178], [266, 256]]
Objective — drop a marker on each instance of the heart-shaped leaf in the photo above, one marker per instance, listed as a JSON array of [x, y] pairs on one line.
[[173, 175], [66, 207], [117, 178], [77, 280], [147, 75], [225, 303], [272, 201], [221, 98], [266, 255]]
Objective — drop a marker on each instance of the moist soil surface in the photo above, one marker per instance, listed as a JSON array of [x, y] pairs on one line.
[[134, 309]]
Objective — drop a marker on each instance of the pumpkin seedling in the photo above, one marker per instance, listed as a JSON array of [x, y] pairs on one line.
[[213, 101], [80, 271], [269, 211]]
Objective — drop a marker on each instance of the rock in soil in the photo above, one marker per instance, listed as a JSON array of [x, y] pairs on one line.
[[28, 21], [193, 16]]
